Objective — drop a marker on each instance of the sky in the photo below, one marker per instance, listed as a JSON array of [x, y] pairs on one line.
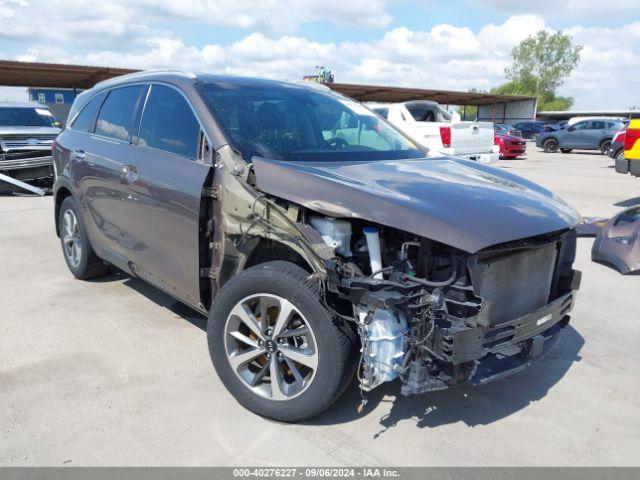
[[455, 44]]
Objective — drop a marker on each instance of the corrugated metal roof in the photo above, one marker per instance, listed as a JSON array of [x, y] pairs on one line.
[[34, 74]]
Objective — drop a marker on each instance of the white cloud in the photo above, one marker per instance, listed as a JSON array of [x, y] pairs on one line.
[[113, 21], [445, 57], [566, 8]]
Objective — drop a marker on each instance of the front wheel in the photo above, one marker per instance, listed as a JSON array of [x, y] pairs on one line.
[[605, 146], [550, 145], [276, 347], [620, 155]]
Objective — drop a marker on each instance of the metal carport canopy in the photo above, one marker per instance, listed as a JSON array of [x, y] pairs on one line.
[[35, 74]]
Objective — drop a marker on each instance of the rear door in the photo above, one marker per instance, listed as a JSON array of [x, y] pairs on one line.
[[165, 179], [97, 162]]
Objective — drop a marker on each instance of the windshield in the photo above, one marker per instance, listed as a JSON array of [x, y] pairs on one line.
[[300, 124], [27, 117]]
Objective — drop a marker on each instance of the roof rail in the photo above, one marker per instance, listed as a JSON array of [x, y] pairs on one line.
[[143, 73]]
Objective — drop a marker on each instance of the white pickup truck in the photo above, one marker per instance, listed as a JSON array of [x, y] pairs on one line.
[[435, 128]]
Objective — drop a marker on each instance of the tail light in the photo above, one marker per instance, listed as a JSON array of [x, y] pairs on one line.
[[618, 137], [445, 136], [630, 138]]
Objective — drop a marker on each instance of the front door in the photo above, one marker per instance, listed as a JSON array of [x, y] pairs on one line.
[[575, 136], [165, 182]]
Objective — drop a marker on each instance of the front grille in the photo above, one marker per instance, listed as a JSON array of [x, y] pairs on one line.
[[515, 283], [8, 142]]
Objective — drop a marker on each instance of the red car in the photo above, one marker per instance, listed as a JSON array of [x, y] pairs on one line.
[[510, 146]]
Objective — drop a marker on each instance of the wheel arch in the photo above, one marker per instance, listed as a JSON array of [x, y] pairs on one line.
[[61, 193]]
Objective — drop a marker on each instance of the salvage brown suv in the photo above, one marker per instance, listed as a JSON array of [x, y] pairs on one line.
[[320, 241]]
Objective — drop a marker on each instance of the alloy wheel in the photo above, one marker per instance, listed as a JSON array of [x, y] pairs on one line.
[[71, 238], [551, 146], [271, 347]]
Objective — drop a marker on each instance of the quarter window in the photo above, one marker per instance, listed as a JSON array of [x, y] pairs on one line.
[[86, 119], [115, 119], [168, 123]]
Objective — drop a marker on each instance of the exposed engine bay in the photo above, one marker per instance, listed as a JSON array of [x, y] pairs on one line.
[[428, 313]]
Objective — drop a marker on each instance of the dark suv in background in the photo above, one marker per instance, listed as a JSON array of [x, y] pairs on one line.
[[319, 239]]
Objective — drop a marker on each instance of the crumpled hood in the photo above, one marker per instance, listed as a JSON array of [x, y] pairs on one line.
[[456, 202]]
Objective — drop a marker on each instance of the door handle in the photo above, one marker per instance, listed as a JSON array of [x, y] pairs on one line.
[[79, 154], [129, 173]]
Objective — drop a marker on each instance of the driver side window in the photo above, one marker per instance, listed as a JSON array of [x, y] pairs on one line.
[[354, 131]]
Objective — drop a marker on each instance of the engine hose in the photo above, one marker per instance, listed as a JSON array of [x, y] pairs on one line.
[[429, 283]]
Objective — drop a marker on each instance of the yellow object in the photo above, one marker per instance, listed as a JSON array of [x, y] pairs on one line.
[[634, 152]]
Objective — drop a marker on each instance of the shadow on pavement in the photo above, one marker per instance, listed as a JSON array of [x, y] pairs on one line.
[[471, 405], [157, 296]]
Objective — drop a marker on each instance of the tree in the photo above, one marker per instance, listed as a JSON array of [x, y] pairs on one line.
[[545, 60], [527, 86]]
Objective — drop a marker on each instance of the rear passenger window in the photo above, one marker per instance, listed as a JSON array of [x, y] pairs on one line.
[[597, 125], [168, 123], [115, 119], [86, 119]]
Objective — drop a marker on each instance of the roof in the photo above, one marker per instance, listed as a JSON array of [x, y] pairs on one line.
[[22, 105], [567, 114], [35, 74], [373, 93]]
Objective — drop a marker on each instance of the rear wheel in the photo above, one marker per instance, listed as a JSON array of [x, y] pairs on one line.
[[78, 254], [605, 146], [565, 150], [550, 145], [275, 346], [620, 154]]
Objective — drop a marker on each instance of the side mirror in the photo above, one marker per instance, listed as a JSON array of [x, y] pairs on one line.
[[571, 129]]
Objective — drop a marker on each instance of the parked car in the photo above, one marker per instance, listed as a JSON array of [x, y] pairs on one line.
[[316, 253], [504, 129], [585, 135], [434, 128], [630, 161], [26, 133], [533, 129], [616, 151], [510, 146]]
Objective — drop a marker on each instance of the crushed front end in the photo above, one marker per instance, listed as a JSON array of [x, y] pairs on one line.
[[435, 316]]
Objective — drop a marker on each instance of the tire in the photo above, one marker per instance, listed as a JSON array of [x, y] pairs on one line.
[[605, 146], [620, 154], [550, 145], [84, 263], [534, 137], [565, 150], [279, 285]]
